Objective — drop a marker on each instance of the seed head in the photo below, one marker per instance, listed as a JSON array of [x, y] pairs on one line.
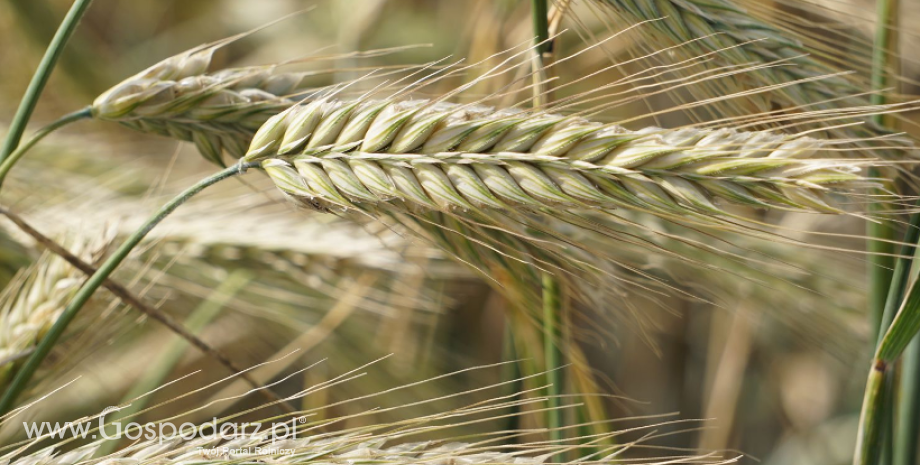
[[356, 154], [218, 112]]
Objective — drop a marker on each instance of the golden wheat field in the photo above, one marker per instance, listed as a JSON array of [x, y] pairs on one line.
[[440, 232]]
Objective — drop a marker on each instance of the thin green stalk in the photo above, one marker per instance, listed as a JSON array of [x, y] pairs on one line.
[[880, 269], [886, 286], [542, 53], [552, 307], [7, 165], [511, 373], [136, 399], [881, 233], [540, 25], [907, 428], [885, 11], [880, 261], [24, 374], [901, 275], [552, 304], [40, 78], [868, 444]]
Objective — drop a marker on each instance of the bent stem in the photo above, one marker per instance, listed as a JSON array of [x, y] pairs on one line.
[[23, 375], [40, 78], [7, 164]]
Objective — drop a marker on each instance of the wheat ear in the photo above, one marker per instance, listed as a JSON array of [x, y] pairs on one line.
[[216, 111], [352, 154], [732, 35], [35, 297], [514, 193]]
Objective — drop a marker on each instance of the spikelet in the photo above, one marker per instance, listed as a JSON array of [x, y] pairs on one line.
[[217, 111], [349, 154]]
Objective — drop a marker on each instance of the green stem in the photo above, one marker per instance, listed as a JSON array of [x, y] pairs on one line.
[[907, 426], [880, 263], [886, 287], [14, 157], [540, 25], [24, 374], [40, 78], [868, 440], [552, 308], [511, 373], [885, 11], [880, 260], [552, 304], [908, 418]]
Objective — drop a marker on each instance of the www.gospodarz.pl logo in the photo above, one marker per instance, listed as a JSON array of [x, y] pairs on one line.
[[159, 431]]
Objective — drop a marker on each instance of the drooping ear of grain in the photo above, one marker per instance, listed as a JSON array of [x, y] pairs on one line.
[[516, 193], [217, 111]]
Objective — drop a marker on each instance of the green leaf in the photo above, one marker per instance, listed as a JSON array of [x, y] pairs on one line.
[[905, 325]]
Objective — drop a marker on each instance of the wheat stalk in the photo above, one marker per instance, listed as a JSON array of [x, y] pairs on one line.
[[354, 154]]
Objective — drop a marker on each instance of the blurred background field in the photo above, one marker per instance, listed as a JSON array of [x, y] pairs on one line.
[[776, 377]]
